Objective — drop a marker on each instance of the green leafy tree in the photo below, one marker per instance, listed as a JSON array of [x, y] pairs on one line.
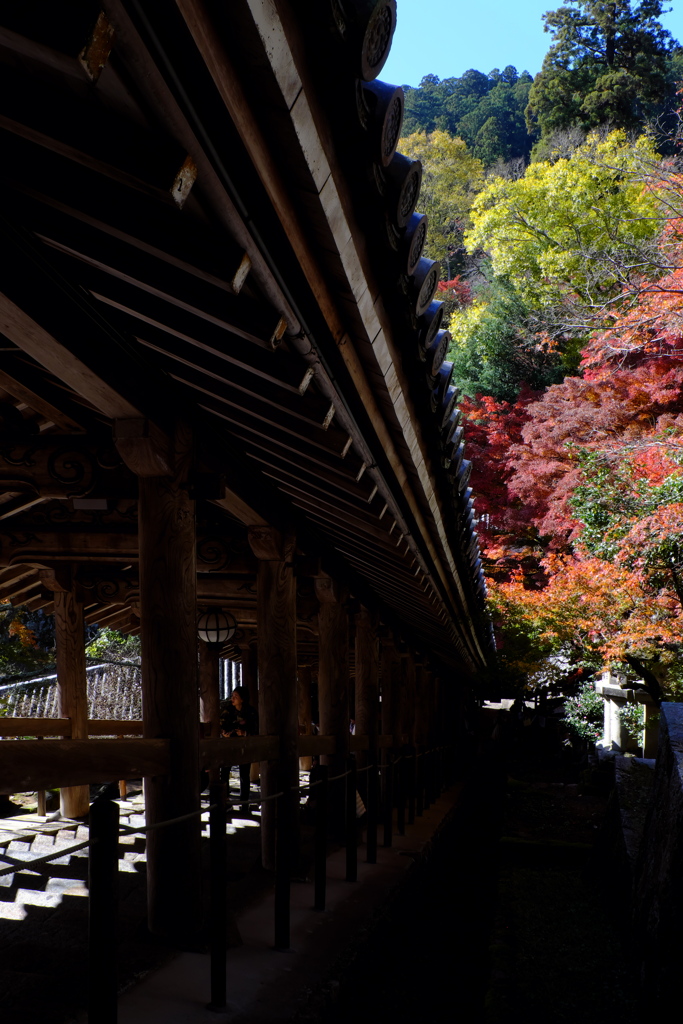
[[584, 713], [629, 518], [494, 351], [451, 178], [564, 229], [26, 642], [609, 63], [108, 645]]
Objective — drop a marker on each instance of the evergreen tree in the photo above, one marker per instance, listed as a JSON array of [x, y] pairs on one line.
[[609, 64], [487, 111]]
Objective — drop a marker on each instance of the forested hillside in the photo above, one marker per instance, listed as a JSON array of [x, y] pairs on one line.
[[609, 64], [556, 208], [486, 111]]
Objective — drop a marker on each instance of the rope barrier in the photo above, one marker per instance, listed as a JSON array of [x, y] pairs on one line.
[[16, 863], [127, 830]]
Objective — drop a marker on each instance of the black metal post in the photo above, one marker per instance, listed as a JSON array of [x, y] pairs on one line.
[[351, 826], [388, 800], [321, 825], [218, 873], [428, 779], [102, 911], [401, 796], [373, 800], [282, 872], [412, 784]]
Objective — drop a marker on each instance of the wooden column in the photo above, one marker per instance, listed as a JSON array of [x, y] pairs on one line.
[[387, 683], [367, 717], [278, 699], [333, 690], [209, 688], [421, 705], [250, 670], [410, 704], [305, 713], [333, 671], [170, 698], [367, 683], [72, 685]]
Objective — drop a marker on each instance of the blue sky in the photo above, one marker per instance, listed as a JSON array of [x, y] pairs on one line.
[[446, 37]]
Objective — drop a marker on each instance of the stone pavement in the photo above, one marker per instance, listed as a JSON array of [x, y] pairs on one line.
[[266, 986], [44, 911], [43, 926]]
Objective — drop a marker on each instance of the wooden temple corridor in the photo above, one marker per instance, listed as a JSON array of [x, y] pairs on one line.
[[227, 427]]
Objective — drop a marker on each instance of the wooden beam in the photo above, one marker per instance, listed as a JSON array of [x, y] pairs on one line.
[[217, 753], [114, 727], [26, 727], [317, 745], [28, 765], [33, 339], [144, 285], [16, 383], [94, 136], [62, 727], [138, 224]]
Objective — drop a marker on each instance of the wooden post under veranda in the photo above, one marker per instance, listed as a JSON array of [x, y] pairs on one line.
[[170, 699], [72, 685]]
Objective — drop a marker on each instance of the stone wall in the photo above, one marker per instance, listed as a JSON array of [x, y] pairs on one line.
[[658, 893]]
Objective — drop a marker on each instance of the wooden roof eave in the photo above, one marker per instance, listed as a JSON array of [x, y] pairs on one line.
[[284, 67]]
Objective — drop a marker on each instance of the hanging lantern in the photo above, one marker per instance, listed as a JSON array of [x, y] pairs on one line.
[[216, 626]]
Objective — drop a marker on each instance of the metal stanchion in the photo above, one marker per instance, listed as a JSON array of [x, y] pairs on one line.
[[102, 911], [282, 872], [401, 797], [218, 925], [371, 827], [412, 784], [351, 828], [388, 800], [321, 825]]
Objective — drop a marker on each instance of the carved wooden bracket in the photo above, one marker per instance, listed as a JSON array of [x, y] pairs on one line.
[[144, 447], [57, 579], [329, 591], [270, 545]]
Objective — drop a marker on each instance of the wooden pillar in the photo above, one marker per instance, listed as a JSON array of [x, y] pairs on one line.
[[410, 709], [209, 687], [422, 709], [386, 663], [250, 681], [278, 700], [367, 683], [333, 671], [170, 698], [333, 690], [250, 670], [305, 713], [72, 685]]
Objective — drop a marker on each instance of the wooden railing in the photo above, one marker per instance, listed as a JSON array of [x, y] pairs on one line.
[[411, 778], [31, 764]]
